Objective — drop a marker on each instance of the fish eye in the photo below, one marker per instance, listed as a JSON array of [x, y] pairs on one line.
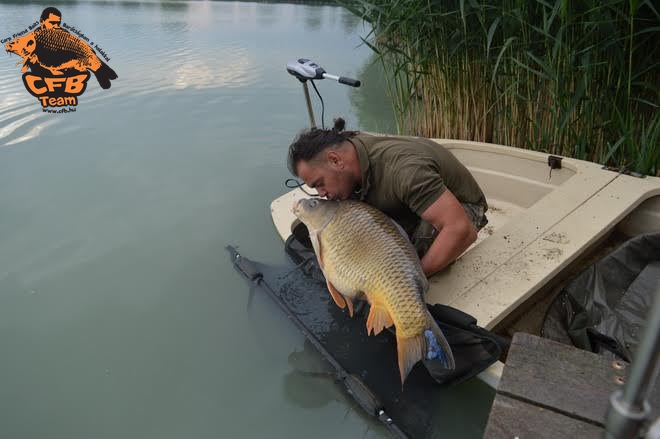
[[313, 203], [31, 42]]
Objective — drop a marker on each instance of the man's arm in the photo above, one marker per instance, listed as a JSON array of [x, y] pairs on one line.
[[455, 232]]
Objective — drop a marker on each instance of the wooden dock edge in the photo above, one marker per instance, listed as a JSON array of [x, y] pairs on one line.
[[551, 390]]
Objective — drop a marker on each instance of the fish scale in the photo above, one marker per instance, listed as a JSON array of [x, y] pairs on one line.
[[394, 266], [59, 40]]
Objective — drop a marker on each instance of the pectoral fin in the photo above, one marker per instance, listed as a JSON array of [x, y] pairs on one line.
[[316, 244], [340, 299], [349, 302], [336, 295], [378, 319]]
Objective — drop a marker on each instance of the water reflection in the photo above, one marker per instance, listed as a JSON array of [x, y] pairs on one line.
[[350, 22], [128, 5], [310, 383], [312, 19], [266, 15], [372, 104], [173, 6], [231, 66], [200, 15]]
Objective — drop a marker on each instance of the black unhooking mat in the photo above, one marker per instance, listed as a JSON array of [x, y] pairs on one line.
[[367, 365], [604, 309]]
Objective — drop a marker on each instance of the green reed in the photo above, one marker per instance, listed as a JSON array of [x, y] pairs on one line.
[[574, 78]]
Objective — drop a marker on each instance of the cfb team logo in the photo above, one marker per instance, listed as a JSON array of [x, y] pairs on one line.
[[58, 62]]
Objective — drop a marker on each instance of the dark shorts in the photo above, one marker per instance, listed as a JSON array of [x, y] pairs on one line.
[[423, 236]]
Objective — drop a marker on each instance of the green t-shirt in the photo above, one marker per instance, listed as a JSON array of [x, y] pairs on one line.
[[403, 176]]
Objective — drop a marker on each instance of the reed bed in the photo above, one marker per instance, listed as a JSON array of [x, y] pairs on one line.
[[574, 78]]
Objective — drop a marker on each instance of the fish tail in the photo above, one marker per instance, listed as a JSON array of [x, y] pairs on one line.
[[437, 345], [104, 74], [409, 351]]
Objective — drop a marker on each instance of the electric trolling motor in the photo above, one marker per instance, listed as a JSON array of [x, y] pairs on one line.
[[305, 69]]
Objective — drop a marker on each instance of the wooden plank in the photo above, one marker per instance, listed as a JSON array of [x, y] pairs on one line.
[[549, 374], [510, 418], [570, 381]]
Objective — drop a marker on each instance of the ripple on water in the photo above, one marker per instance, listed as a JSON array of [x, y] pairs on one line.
[[14, 108], [35, 131], [7, 130]]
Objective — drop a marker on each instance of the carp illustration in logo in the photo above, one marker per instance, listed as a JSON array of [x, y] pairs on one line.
[[58, 62]]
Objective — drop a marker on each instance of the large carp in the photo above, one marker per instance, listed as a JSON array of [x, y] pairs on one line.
[[362, 252]]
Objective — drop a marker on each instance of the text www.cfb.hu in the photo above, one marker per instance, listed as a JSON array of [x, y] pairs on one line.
[[62, 110]]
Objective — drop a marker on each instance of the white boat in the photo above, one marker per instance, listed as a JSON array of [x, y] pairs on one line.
[[542, 222]]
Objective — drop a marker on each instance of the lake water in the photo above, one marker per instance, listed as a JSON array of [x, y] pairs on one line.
[[120, 313]]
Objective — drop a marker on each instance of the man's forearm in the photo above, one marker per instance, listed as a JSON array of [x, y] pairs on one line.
[[447, 246]]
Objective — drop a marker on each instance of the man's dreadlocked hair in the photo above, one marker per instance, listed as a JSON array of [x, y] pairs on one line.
[[311, 142]]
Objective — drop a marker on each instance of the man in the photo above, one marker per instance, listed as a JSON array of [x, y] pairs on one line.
[[415, 181], [50, 18]]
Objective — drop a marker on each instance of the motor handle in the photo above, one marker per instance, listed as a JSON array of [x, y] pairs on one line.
[[342, 80], [305, 69], [349, 81]]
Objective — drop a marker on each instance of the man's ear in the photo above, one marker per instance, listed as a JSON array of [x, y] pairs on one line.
[[334, 159]]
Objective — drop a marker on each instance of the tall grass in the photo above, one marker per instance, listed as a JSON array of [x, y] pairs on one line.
[[575, 78]]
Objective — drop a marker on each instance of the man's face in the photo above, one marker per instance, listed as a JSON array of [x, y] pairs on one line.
[[329, 178], [52, 22]]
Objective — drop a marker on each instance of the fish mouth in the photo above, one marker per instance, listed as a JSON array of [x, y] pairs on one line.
[[295, 209]]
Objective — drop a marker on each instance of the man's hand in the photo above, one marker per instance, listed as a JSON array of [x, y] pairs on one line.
[[455, 232]]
